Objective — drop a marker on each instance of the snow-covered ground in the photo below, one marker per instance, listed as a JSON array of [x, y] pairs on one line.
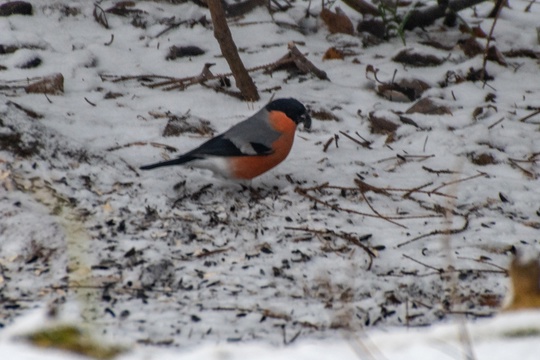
[[508, 336], [177, 257]]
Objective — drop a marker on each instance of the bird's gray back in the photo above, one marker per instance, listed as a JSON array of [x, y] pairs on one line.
[[255, 130]]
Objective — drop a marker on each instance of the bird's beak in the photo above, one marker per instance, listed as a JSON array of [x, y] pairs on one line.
[[306, 120]]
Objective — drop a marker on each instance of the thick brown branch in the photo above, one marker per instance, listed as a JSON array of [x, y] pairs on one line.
[[223, 35]]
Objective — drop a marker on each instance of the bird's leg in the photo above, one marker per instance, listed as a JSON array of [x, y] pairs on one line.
[[247, 185]]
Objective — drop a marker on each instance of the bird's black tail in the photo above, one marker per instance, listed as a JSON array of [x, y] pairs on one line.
[[179, 161]]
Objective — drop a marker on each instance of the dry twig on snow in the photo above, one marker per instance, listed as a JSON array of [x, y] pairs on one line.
[[294, 58]]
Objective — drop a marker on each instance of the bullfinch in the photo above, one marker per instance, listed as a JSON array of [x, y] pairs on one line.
[[251, 147]]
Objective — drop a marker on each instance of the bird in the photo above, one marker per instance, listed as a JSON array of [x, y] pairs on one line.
[[251, 147]]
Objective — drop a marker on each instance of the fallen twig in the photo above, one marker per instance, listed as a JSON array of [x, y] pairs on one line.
[[525, 118], [171, 26], [364, 144], [408, 191], [213, 252], [437, 273], [481, 261], [379, 214], [438, 172], [88, 101], [525, 171], [328, 143], [27, 111], [144, 143], [109, 43], [423, 264], [438, 232], [295, 336], [404, 158], [481, 174], [495, 123], [345, 236], [294, 57], [365, 187], [304, 193]]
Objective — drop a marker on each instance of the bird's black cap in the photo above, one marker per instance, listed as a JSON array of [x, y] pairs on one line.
[[293, 108]]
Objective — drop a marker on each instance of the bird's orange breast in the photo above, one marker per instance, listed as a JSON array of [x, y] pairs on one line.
[[248, 167]]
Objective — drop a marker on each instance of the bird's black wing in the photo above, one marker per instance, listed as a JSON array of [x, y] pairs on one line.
[[221, 146], [218, 146]]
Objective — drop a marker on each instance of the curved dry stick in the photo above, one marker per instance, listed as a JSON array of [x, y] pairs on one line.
[[304, 192], [344, 236], [428, 192], [438, 232], [458, 181]]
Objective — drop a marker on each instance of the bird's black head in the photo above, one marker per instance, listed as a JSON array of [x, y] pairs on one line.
[[293, 108]]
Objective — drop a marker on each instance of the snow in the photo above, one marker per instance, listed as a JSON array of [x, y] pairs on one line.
[[176, 256], [508, 335]]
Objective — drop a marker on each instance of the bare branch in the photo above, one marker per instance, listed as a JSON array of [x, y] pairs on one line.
[[223, 35]]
